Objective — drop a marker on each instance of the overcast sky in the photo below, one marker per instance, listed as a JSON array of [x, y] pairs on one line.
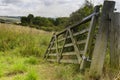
[[46, 8]]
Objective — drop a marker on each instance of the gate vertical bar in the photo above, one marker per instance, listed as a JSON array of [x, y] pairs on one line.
[[60, 55], [56, 44], [90, 37]]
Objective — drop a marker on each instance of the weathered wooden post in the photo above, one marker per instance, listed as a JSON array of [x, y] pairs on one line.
[[115, 41], [101, 41]]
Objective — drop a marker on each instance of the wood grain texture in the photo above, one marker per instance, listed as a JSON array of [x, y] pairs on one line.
[[115, 41], [102, 40]]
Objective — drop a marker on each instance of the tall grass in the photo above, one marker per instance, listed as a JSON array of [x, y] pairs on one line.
[[68, 72], [28, 41], [20, 51], [20, 48], [32, 75]]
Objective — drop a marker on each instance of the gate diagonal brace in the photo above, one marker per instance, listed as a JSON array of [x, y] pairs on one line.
[[75, 46]]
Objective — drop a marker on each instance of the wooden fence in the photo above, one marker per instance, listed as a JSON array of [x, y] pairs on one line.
[[79, 43]]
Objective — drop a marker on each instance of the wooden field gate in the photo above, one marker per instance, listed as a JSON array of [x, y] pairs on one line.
[[67, 46], [87, 46]]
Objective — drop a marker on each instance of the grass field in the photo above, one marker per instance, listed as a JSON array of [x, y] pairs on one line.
[[21, 56]]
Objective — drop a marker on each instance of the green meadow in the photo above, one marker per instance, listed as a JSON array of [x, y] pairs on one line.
[[21, 56]]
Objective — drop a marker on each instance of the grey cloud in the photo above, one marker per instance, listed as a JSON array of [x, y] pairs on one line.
[[3, 4], [64, 2], [47, 8], [11, 1], [59, 2], [48, 2]]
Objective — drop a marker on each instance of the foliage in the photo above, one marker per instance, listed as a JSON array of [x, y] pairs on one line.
[[24, 21], [42, 21], [30, 19], [38, 22], [82, 12], [59, 23]]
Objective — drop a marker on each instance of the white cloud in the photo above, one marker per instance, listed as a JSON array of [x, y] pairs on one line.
[[48, 8], [118, 5]]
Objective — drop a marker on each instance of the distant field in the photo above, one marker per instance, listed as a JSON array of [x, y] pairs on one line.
[[10, 19]]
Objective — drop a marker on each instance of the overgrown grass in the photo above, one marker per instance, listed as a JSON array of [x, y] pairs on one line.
[[32, 75], [68, 72], [18, 67], [20, 48], [21, 51], [32, 60], [53, 28], [27, 41]]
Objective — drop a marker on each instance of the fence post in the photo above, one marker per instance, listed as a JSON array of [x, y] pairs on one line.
[[101, 41], [115, 41]]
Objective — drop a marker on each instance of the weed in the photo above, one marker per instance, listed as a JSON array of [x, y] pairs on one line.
[[32, 60], [66, 72], [17, 68], [18, 78], [32, 75], [1, 72]]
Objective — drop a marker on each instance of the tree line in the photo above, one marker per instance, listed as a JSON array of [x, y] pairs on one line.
[[57, 23]]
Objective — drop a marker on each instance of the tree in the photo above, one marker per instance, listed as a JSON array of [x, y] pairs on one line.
[[81, 13], [24, 21], [30, 19], [61, 21], [42, 21]]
